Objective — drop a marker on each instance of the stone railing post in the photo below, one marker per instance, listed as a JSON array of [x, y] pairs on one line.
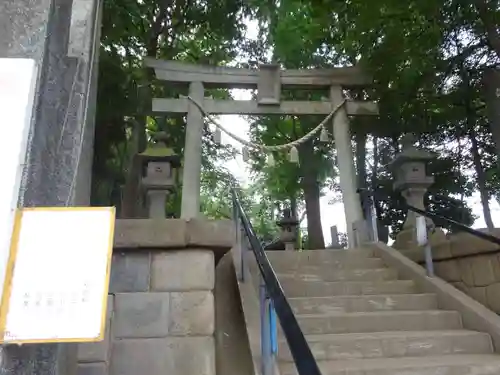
[[335, 237], [413, 182]]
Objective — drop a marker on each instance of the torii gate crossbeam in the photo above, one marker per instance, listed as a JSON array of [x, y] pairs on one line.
[[268, 80]]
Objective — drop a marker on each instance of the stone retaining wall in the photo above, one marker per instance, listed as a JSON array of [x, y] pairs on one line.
[[161, 311], [477, 275]]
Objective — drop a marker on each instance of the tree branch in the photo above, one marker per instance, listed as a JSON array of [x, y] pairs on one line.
[[157, 27]]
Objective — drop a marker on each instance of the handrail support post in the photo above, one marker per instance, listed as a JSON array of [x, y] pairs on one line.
[[374, 224], [274, 329], [423, 240], [265, 331], [239, 244]]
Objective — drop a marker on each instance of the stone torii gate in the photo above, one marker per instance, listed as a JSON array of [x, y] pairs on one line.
[[269, 80]]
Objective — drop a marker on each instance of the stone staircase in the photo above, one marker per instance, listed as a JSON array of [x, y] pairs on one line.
[[361, 319]]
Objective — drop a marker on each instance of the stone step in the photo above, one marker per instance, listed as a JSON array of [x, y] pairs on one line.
[[323, 274], [393, 344], [320, 255], [473, 364], [348, 264], [379, 321], [340, 304], [334, 259], [298, 288]]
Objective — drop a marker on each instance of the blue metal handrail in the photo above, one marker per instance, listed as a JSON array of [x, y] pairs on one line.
[[273, 301]]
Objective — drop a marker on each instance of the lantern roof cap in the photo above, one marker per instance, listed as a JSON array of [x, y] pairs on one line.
[[410, 153], [160, 152], [287, 219]]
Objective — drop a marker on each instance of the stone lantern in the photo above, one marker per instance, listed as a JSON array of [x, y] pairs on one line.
[[288, 229], [412, 181], [160, 168]]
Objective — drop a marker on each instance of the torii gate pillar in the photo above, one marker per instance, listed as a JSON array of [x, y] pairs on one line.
[[345, 160], [190, 204]]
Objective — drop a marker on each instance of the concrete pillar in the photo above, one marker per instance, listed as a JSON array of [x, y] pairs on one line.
[[157, 200], [84, 43], [190, 205], [63, 38], [345, 160]]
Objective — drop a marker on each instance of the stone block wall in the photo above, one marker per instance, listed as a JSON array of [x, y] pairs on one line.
[[161, 309], [477, 274]]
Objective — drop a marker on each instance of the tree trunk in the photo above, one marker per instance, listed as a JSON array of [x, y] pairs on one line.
[[293, 206], [481, 180], [491, 82], [314, 228], [374, 180], [311, 190], [132, 201], [293, 209], [395, 144], [476, 157], [361, 169], [361, 159], [486, 11], [460, 163]]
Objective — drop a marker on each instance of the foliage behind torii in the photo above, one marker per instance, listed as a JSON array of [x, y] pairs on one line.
[[192, 31], [418, 52], [427, 59]]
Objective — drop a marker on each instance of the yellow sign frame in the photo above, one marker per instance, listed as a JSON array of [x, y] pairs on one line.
[[7, 289]]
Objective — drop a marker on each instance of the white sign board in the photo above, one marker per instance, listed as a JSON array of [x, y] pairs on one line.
[[17, 91], [57, 276]]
